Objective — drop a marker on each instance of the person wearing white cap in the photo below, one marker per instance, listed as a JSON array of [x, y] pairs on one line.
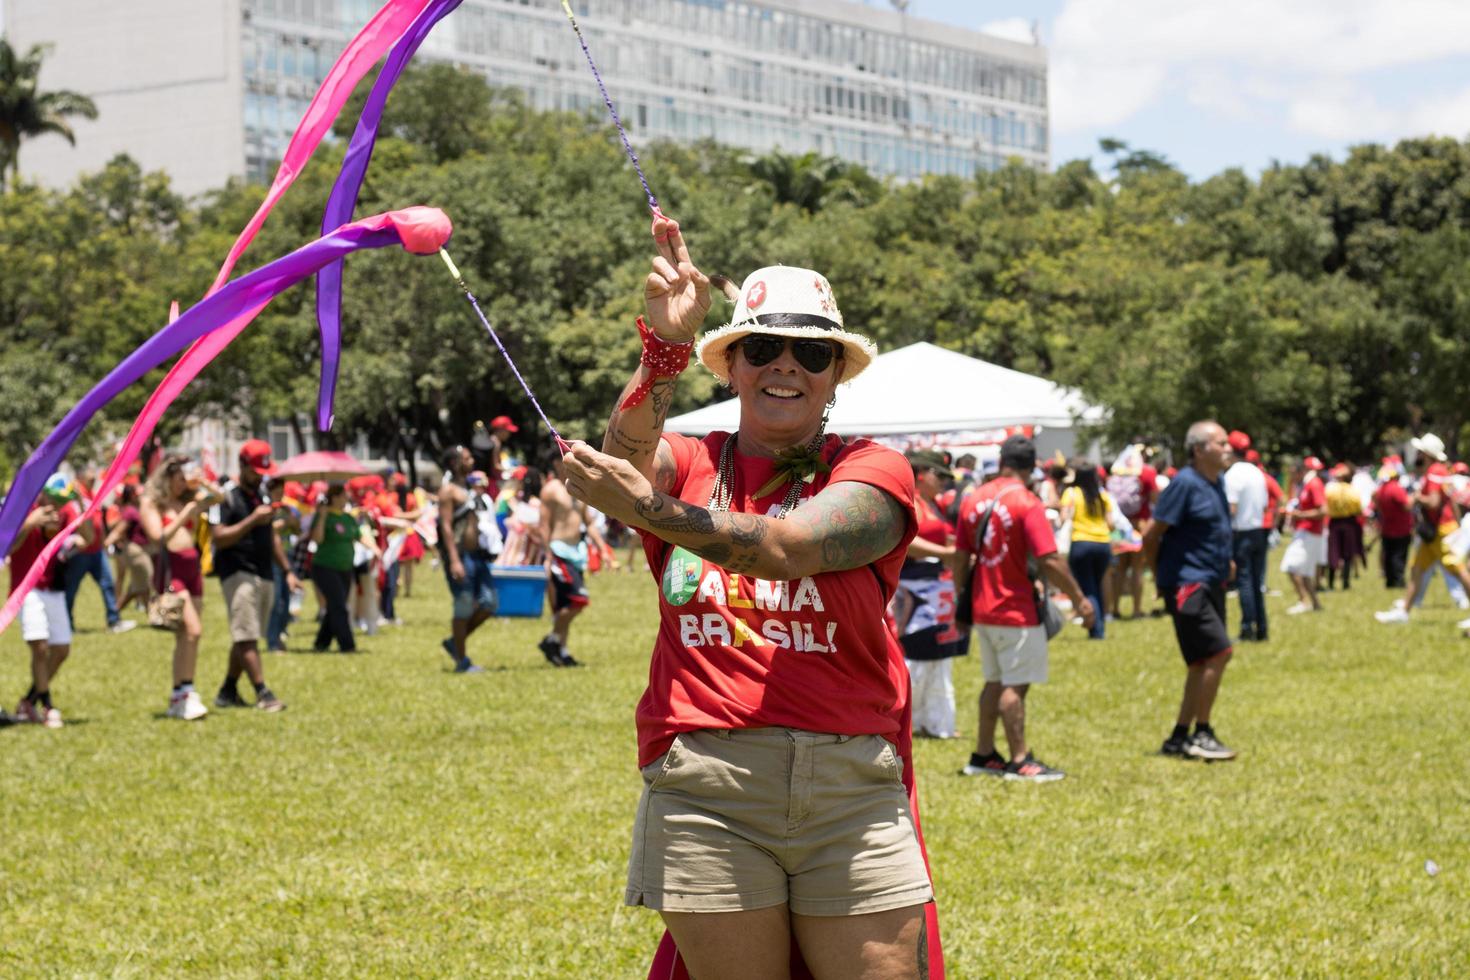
[[774, 734], [1434, 522]]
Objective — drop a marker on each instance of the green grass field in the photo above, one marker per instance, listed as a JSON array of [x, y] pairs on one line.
[[402, 820]]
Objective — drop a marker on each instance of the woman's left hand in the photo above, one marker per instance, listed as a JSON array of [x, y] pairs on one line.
[[610, 484]]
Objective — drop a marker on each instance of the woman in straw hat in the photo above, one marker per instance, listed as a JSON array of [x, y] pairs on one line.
[[774, 733]]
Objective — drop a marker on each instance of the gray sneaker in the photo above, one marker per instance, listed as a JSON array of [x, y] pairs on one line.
[[1204, 745]]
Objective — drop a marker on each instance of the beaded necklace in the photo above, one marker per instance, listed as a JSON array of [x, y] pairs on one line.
[[723, 492]]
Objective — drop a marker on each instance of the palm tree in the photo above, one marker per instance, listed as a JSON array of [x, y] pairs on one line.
[[26, 112]]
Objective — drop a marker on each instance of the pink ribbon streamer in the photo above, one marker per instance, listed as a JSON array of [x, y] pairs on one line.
[[391, 21], [419, 230]]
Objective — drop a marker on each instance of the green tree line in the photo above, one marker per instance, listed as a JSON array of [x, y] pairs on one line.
[[1323, 306]]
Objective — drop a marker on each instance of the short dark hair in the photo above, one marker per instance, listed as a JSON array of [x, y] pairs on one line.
[[1018, 453]]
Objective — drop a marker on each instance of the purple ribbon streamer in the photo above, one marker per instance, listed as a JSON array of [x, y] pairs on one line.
[[343, 198], [204, 317]]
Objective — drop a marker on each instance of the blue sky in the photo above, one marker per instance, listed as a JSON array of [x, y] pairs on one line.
[[1214, 84]]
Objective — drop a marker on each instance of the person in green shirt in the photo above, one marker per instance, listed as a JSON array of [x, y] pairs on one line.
[[334, 529]]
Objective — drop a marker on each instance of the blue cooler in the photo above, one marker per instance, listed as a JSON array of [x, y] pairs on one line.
[[519, 589]]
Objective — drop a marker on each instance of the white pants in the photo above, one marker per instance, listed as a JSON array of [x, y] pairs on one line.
[[43, 617], [933, 696]]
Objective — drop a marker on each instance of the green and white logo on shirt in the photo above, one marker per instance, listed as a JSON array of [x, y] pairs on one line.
[[681, 576]]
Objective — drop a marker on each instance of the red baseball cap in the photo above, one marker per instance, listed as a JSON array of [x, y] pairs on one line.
[[1460, 468], [1251, 456], [256, 454], [519, 473], [1239, 441], [504, 422], [1340, 470], [1313, 463]]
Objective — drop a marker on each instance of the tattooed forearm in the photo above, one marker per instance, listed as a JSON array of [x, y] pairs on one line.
[[665, 514], [633, 445], [732, 541], [852, 524], [662, 396]]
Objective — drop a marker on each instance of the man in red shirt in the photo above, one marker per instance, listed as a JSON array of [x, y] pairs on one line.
[[1308, 548], [1394, 515], [1012, 641]]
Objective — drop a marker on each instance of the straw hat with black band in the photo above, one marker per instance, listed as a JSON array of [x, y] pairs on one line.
[[787, 301]]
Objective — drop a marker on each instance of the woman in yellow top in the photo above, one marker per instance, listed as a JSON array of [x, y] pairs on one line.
[[1344, 526], [1087, 506]]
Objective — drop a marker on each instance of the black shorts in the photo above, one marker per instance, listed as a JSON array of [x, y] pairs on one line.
[[1198, 609], [568, 586]]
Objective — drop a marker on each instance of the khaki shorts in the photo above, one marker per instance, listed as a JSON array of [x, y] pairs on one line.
[[731, 821], [1013, 655], [248, 598]]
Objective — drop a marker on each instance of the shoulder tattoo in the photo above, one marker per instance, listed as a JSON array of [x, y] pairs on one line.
[[854, 524]]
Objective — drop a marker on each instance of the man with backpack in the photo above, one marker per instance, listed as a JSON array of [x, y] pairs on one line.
[[1003, 529]]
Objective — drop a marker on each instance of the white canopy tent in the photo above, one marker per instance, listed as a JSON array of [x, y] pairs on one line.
[[927, 390]]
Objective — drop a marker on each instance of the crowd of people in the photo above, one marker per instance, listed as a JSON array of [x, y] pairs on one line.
[[996, 546], [270, 540]]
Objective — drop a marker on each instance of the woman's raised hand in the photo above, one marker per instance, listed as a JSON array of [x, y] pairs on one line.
[[676, 293]]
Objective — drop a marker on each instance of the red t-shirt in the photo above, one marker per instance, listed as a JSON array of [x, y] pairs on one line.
[[1312, 496], [1018, 527], [1274, 496], [1148, 486], [737, 652], [932, 526], [99, 526], [1395, 513], [31, 546], [1437, 480]]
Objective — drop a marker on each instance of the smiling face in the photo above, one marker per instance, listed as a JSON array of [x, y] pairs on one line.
[[781, 402]]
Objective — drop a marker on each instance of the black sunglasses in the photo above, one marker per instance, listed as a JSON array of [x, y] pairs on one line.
[[815, 356]]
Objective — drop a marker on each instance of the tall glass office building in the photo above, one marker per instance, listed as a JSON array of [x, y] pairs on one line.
[[902, 95]]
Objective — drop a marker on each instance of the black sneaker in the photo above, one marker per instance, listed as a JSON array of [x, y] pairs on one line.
[[1032, 770], [551, 650], [229, 697], [1176, 746], [993, 764], [1247, 634], [567, 660], [1204, 745]]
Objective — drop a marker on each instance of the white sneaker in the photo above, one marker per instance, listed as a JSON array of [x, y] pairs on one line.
[[187, 706], [1463, 624], [1400, 604], [1392, 616], [1463, 602], [122, 626], [1298, 609], [50, 717]]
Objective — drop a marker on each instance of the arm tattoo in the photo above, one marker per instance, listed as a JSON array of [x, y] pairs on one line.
[[853, 523], [663, 396], [664, 513], [631, 444], [737, 547], [665, 469]]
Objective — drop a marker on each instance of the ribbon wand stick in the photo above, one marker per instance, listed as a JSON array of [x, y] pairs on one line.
[[459, 281]]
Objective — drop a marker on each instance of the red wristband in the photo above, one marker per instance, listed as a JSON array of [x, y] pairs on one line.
[[663, 358]]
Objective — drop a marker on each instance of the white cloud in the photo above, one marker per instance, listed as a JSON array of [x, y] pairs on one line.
[[1305, 62], [1012, 29]]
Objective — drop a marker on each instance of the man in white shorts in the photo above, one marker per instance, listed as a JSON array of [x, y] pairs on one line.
[[1001, 525], [1308, 547], [44, 623]]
